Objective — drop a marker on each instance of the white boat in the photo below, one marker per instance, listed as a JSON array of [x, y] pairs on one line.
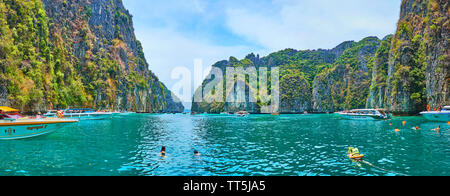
[[443, 115], [20, 128], [242, 114], [81, 114], [365, 114], [126, 113]]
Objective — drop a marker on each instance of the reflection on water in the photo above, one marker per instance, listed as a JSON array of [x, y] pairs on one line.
[[229, 145]]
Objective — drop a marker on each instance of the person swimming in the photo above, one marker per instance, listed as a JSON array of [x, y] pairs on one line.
[[354, 155], [353, 152], [437, 129], [196, 153], [163, 151], [416, 128]]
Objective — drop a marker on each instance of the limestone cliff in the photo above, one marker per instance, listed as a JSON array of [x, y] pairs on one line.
[[77, 53], [419, 58], [377, 96]]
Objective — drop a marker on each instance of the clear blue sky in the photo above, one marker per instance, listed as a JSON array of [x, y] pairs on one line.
[[175, 32]]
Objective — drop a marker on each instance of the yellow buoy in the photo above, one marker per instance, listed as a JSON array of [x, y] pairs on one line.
[[448, 123]]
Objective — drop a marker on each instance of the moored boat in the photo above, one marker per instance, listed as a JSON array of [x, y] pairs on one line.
[[82, 114], [19, 127], [242, 113], [443, 115], [365, 114], [126, 113]]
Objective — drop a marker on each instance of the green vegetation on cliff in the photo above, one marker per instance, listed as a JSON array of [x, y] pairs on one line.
[[58, 54], [347, 65], [402, 73], [419, 63]]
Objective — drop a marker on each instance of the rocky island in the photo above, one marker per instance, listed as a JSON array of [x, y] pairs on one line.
[[80, 53]]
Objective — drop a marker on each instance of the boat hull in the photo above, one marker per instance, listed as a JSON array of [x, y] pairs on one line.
[[436, 116], [361, 117], [22, 130], [126, 113], [88, 116]]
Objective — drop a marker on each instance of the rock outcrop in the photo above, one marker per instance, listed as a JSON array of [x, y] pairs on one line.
[[377, 96], [419, 58], [402, 73], [77, 53]]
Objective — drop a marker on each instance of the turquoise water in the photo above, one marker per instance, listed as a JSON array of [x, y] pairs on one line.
[[258, 145]]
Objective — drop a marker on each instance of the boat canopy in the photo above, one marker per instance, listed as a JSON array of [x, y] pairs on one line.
[[7, 109]]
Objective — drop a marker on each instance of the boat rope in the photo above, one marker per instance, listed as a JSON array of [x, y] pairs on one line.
[[379, 168]]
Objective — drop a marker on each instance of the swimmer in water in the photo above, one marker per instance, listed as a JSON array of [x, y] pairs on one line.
[[397, 130], [416, 128], [437, 129], [196, 153], [163, 152]]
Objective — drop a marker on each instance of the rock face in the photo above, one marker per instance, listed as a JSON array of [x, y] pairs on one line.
[[377, 96], [419, 58], [402, 73], [346, 84], [84, 54]]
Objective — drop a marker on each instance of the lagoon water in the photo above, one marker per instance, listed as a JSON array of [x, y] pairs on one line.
[[257, 145]]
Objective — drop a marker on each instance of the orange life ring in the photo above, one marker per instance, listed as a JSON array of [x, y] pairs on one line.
[[356, 157], [60, 114]]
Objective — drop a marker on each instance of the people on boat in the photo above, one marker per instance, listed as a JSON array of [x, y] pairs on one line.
[[163, 151], [428, 107], [39, 115]]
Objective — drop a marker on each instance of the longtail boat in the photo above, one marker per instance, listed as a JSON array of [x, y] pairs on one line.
[[14, 126]]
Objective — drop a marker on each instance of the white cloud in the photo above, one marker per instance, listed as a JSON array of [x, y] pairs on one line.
[[166, 49], [175, 32], [312, 24]]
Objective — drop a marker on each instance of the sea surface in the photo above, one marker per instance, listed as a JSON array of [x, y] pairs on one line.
[[257, 145]]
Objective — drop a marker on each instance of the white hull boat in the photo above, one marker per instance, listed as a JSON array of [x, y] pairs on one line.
[[365, 114], [13, 126], [442, 116], [82, 114], [27, 128]]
